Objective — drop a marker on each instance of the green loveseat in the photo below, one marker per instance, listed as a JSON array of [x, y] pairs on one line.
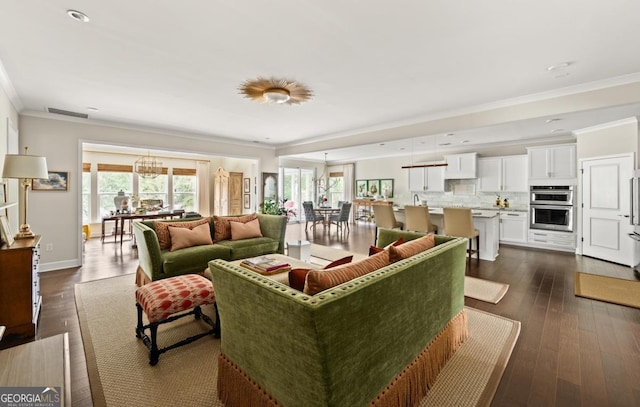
[[155, 264], [380, 338]]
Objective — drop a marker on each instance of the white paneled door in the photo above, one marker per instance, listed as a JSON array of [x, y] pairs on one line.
[[606, 211]]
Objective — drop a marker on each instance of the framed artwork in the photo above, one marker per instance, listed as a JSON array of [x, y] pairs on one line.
[[386, 188], [58, 181], [373, 187], [5, 233], [247, 185], [270, 186], [361, 187], [247, 201]]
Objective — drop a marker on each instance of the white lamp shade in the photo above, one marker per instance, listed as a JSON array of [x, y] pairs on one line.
[[24, 166]]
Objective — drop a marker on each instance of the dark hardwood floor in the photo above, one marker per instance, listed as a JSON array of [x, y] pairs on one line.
[[571, 351]]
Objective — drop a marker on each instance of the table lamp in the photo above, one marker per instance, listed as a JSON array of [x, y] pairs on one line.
[[25, 167]]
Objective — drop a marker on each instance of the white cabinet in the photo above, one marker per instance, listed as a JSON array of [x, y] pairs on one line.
[[427, 179], [549, 239], [513, 227], [461, 166], [552, 162], [503, 174]]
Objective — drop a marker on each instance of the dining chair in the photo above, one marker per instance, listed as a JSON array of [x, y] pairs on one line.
[[418, 220], [310, 215], [459, 222], [341, 217], [385, 218]]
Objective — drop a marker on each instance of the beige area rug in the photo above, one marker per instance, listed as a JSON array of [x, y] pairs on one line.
[[120, 375], [476, 288], [609, 289]]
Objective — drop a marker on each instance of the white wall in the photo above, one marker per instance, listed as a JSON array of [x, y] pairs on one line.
[[608, 139], [56, 215]]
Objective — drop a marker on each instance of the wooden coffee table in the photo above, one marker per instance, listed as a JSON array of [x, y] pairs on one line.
[[283, 276]]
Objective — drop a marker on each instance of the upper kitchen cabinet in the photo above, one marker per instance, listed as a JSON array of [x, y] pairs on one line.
[[427, 179], [503, 174], [552, 163], [461, 166]]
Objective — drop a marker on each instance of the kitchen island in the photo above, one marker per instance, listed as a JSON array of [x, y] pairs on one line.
[[486, 221]]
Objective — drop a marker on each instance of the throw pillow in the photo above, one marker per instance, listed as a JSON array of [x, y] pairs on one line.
[[162, 230], [412, 247], [297, 277], [375, 249], [183, 237], [320, 280], [247, 230], [222, 225]]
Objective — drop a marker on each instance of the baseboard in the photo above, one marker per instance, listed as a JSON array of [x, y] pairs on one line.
[[59, 265]]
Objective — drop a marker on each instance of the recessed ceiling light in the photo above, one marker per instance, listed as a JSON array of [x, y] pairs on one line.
[[557, 130], [449, 134], [444, 144], [92, 109], [555, 119], [78, 16], [401, 148], [381, 144], [558, 67], [464, 141]]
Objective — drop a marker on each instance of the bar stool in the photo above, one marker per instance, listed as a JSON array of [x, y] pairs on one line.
[[459, 222], [384, 217], [418, 219]]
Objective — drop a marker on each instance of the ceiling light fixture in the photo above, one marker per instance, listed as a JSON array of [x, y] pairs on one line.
[[555, 119], [557, 130], [275, 91], [558, 67], [148, 166], [78, 16]]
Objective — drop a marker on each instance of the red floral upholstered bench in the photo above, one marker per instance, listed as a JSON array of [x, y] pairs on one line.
[[163, 300]]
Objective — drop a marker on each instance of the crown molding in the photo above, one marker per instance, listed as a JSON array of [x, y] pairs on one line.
[[629, 120]]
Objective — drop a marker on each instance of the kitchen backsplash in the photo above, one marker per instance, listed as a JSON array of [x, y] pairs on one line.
[[462, 192]]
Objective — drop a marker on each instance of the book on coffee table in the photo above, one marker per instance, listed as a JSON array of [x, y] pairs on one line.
[[266, 264]]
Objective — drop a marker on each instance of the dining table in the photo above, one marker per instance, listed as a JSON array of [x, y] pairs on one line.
[[326, 211], [122, 217]]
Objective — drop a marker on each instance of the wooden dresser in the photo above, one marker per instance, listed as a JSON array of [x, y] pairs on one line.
[[20, 288]]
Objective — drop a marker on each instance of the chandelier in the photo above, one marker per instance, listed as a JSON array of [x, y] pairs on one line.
[[148, 166], [276, 91]]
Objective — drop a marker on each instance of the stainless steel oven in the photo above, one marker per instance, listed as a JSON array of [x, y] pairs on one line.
[[552, 195], [552, 217], [551, 207]]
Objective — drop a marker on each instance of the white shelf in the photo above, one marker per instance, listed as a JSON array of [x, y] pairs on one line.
[[7, 204]]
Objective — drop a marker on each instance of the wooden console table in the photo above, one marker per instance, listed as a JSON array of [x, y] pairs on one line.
[[40, 364], [367, 204], [121, 218]]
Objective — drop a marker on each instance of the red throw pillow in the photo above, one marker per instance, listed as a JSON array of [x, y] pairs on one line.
[[162, 229], [298, 276], [375, 249], [222, 227], [412, 247]]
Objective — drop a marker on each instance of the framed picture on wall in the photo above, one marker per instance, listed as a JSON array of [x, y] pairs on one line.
[[58, 181], [247, 201], [373, 187], [247, 185], [361, 187], [270, 186], [386, 188]]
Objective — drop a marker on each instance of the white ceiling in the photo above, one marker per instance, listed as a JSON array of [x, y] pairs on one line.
[[373, 65]]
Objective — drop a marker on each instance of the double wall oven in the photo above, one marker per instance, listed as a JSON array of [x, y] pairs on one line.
[[552, 207]]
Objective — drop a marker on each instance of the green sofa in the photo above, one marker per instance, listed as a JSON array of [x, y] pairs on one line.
[[381, 338], [155, 264]]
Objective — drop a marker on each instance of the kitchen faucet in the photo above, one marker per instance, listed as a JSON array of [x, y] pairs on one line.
[[416, 199]]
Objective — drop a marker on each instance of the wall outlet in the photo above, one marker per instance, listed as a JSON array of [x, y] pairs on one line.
[[49, 247]]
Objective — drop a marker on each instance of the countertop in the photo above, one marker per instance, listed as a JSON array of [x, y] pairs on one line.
[[480, 212]]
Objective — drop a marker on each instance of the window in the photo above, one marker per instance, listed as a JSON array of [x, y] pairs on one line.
[[184, 189], [336, 192], [153, 188], [86, 193], [111, 180]]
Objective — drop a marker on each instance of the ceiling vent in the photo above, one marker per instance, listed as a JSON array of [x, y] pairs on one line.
[[67, 113]]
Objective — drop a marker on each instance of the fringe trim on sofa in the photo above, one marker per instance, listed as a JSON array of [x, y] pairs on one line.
[[413, 383], [236, 389]]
